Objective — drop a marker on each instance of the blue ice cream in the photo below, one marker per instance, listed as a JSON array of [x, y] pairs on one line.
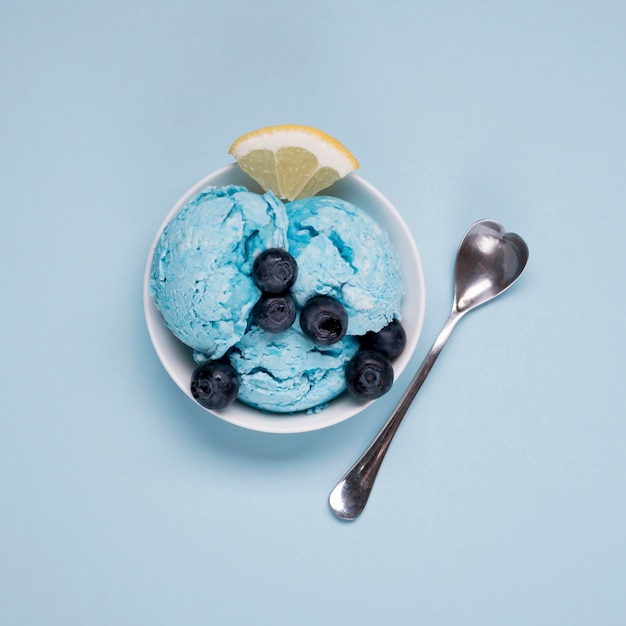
[[201, 283], [200, 276], [342, 252], [286, 372]]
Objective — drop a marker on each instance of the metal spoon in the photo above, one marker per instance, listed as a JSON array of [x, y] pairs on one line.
[[488, 261]]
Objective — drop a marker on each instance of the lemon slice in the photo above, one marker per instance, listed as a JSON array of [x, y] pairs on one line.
[[292, 161]]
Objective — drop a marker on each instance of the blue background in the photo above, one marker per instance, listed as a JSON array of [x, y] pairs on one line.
[[501, 500]]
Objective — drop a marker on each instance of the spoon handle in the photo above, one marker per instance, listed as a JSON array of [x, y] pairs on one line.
[[349, 497]]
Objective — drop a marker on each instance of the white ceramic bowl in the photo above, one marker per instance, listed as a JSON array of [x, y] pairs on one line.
[[177, 358]]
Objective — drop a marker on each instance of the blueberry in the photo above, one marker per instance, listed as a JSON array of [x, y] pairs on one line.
[[274, 271], [324, 320], [390, 340], [214, 384], [369, 375], [274, 313]]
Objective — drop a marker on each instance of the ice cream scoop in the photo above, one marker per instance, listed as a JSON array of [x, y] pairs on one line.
[[200, 276], [287, 372], [343, 253]]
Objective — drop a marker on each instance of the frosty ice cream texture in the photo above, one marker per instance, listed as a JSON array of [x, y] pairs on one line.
[[287, 372], [201, 283], [343, 253], [200, 277]]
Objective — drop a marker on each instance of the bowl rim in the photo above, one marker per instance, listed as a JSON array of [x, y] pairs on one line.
[[171, 351]]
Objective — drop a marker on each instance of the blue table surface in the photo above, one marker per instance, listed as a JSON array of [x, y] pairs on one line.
[[502, 499]]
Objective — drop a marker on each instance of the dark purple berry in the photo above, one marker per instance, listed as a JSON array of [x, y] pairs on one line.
[[390, 340], [274, 313], [324, 320], [274, 271], [214, 384], [369, 375]]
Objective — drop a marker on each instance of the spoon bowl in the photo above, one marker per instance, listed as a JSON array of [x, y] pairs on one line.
[[489, 261]]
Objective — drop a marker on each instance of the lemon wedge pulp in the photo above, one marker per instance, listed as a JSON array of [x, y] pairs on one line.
[[292, 161]]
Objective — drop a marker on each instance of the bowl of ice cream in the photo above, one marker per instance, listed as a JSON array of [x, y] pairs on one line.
[[288, 385]]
